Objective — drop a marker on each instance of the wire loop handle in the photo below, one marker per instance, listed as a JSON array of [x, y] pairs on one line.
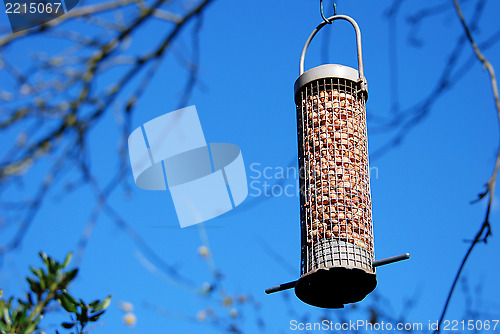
[[358, 43]]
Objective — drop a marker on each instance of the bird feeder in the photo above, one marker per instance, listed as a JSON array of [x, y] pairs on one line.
[[337, 253]]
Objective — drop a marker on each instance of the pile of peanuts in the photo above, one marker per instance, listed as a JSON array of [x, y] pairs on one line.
[[336, 181]]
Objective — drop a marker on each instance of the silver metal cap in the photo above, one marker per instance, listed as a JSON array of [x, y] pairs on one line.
[[327, 71]]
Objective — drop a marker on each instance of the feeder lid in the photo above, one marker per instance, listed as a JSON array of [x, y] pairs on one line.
[[326, 71]]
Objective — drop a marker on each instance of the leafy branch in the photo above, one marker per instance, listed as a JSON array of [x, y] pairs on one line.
[[48, 285]]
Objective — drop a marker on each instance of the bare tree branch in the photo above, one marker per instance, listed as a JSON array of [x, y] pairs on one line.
[[74, 123], [485, 229]]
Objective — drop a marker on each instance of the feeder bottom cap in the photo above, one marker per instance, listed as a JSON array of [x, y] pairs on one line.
[[334, 287]]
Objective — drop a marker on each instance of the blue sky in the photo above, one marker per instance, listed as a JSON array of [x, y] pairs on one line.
[[249, 61]]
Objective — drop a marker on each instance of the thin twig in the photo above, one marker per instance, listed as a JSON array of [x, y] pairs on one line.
[[77, 12], [70, 124], [410, 117], [50, 178], [485, 229]]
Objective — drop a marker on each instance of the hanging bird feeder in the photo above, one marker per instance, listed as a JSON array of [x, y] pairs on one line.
[[337, 254]]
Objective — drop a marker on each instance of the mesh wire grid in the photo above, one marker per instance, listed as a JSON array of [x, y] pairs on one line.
[[336, 218]]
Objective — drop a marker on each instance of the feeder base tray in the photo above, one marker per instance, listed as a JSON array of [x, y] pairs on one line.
[[333, 287]]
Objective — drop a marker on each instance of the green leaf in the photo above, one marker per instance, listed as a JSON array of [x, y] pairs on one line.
[[20, 318], [82, 317], [37, 272], [4, 329], [34, 286], [94, 303], [67, 260], [102, 305], [32, 327], [44, 258], [44, 282], [73, 300], [96, 316], [67, 325], [1, 293], [22, 303], [6, 317], [52, 266], [67, 304], [67, 277]]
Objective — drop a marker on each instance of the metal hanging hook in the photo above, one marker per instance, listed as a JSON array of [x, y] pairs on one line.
[[323, 14]]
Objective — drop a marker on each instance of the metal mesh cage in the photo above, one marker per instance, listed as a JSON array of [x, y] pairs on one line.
[[335, 182]]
